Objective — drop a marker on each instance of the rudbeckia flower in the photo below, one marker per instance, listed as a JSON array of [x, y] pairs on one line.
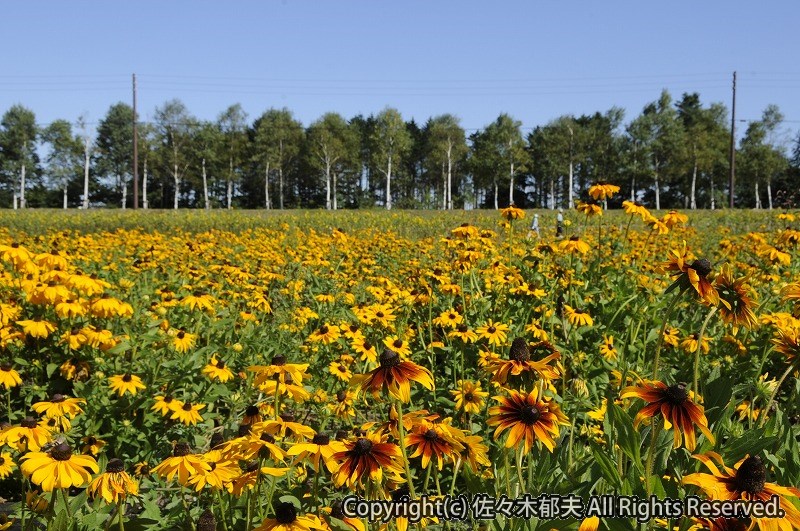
[[217, 370], [394, 374], [529, 419], [188, 414], [494, 332], [321, 447], [126, 383], [366, 458], [114, 484], [469, 396], [287, 519], [59, 406], [58, 469], [747, 480], [8, 376], [675, 405], [182, 464]]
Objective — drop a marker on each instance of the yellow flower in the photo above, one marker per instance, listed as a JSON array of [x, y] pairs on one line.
[[126, 383], [512, 212], [188, 414], [607, 349], [574, 245], [8, 376], [469, 396], [494, 332], [59, 406], [6, 465], [37, 329], [182, 464], [59, 468], [220, 473], [183, 341], [114, 484], [166, 405], [216, 369], [602, 191], [578, 317]]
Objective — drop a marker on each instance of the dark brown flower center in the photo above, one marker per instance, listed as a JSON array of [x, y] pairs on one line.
[[676, 394], [323, 330], [61, 452], [181, 334], [702, 266], [341, 396], [337, 510], [244, 430], [181, 449], [463, 328], [321, 439], [5, 366], [287, 417], [362, 447], [220, 364], [266, 437], [431, 435], [57, 398], [491, 329], [389, 358], [285, 513], [251, 411], [207, 522], [127, 378], [468, 396], [279, 360], [115, 465], [187, 406], [28, 422], [519, 350], [252, 466], [751, 476], [573, 238], [529, 415], [398, 343]]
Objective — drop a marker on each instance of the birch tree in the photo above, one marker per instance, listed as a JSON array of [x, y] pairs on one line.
[[333, 146], [391, 142]]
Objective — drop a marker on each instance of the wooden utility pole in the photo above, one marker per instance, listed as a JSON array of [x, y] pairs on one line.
[[733, 143], [135, 151]]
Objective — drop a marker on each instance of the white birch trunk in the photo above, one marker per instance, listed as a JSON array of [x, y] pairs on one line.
[[511, 185], [449, 176], [713, 199], [552, 200], [758, 198], [229, 194], [145, 203], [658, 194], [65, 195], [570, 184], [769, 194], [693, 200], [22, 188], [280, 185], [389, 184], [327, 183], [177, 179], [496, 190], [124, 193], [335, 202], [86, 173], [205, 185], [266, 187]]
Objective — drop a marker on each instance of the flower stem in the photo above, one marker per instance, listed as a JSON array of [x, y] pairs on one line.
[[660, 343], [221, 512], [121, 513], [696, 370], [651, 454], [402, 431], [786, 373]]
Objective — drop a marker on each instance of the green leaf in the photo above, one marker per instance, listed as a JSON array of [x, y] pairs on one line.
[[751, 442], [607, 467]]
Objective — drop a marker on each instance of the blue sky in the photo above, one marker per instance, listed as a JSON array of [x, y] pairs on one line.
[[535, 60]]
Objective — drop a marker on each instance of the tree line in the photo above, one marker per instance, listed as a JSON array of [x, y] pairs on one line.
[[674, 154]]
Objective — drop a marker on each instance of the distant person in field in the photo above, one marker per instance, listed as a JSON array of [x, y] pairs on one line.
[[534, 227], [560, 223]]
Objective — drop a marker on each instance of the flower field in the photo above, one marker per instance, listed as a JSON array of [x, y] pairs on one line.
[[242, 370]]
